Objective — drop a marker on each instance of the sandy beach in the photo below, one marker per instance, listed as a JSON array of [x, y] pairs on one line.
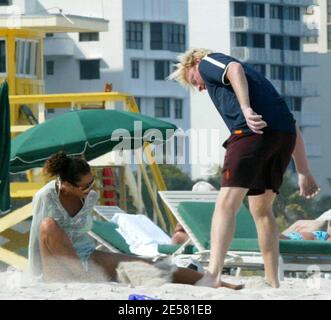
[[16, 286]]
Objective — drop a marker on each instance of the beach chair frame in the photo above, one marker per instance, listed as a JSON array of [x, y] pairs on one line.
[[245, 259]]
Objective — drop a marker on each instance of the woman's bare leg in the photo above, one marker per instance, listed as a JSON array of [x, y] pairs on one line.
[[109, 261], [189, 276], [59, 259]]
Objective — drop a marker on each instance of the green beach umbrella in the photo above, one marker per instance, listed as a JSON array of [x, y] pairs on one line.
[[4, 149], [88, 132]]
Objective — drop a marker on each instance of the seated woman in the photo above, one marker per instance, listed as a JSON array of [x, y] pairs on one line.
[[60, 248]]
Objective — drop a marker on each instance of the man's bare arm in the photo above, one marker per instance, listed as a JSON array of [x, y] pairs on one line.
[[307, 183], [237, 78]]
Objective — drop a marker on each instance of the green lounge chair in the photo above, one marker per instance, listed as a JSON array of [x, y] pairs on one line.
[[295, 256], [105, 233], [195, 216]]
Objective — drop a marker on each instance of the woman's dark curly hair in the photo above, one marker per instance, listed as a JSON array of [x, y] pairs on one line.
[[70, 169]]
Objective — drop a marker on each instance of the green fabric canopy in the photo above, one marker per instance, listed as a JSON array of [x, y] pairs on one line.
[[89, 132], [4, 149]]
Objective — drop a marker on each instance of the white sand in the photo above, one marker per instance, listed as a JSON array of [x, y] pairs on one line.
[[15, 286]]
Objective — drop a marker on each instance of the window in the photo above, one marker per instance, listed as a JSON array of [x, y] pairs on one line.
[[138, 102], [167, 36], [89, 69], [329, 37], [276, 12], [178, 109], [156, 36], [134, 35], [329, 11], [3, 68], [26, 58], [88, 36], [49, 67], [135, 69], [49, 35], [257, 10], [294, 103], [258, 40], [176, 36], [241, 39], [240, 9], [277, 42], [261, 68], [277, 72], [5, 2], [161, 69], [162, 107], [293, 74], [295, 43], [294, 13]]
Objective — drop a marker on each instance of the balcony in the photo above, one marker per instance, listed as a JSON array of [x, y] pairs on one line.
[[59, 47], [245, 54], [290, 2], [303, 3], [261, 55], [274, 26], [245, 24], [291, 28], [295, 88], [289, 57]]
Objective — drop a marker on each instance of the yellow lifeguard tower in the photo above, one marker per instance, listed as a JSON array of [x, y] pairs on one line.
[[22, 64]]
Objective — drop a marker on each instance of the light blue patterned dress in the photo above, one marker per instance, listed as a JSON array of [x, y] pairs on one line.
[[46, 204]]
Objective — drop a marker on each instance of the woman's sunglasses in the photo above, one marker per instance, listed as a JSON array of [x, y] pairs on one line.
[[86, 187]]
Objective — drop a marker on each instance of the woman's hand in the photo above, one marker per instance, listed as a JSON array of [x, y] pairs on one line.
[[308, 186], [254, 121]]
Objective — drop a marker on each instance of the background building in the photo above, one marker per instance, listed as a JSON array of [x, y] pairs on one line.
[[316, 113], [136, 55]]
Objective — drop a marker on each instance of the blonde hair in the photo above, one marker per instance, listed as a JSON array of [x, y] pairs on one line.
[[185, 62]]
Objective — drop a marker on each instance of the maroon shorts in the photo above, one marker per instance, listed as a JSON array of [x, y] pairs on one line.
[[257, 162]]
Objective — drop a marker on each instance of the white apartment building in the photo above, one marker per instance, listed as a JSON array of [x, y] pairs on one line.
[[269, 35], [135, 55], [316, 113]]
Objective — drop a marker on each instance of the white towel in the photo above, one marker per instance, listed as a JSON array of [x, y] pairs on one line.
[[140, 233]]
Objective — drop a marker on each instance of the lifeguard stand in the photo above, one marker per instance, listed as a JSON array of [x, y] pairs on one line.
[[22, 64]]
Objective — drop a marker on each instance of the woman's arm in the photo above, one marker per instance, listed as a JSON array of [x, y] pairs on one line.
[[307, 183]]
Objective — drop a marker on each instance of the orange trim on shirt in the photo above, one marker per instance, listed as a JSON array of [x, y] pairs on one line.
[[238, 132]]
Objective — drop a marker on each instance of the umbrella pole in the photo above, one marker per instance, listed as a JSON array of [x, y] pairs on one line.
[[150, 190]]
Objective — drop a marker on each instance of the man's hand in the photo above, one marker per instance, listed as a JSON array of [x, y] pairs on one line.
[[308, 186], [254, 121]]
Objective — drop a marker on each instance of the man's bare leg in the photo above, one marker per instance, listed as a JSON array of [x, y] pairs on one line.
[[261, 208], [223, 226]]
